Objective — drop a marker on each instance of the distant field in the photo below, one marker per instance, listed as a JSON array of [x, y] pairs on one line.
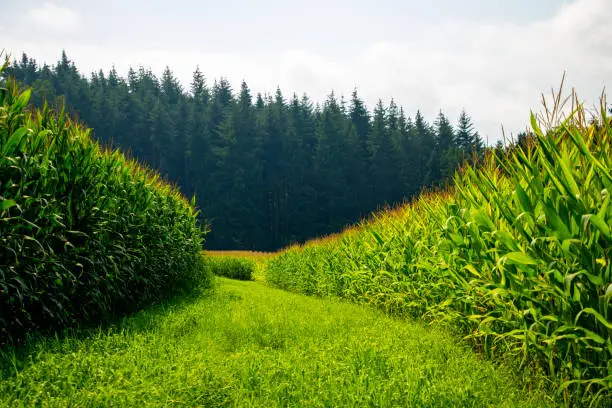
[[260, 259], [242, 254]]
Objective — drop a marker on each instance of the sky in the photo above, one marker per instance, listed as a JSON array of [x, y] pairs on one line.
[[492, 58]]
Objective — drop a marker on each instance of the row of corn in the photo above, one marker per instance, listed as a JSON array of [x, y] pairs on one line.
[[516, 255], [85, 234]]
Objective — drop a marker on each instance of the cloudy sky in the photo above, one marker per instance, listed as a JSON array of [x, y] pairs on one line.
[[492, 58]]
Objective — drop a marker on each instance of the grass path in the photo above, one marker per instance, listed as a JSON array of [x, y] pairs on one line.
[[250, 345]]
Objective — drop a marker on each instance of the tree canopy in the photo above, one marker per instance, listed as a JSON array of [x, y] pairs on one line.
[[267, 170]]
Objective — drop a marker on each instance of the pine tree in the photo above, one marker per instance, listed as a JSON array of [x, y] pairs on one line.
[[384, 161], [199, 91], [170, 87], [360, 121], [423, 150], [266, 173], [466, 136], [447, 154]]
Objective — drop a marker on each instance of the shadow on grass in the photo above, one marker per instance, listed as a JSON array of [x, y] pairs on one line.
[[17, 357]]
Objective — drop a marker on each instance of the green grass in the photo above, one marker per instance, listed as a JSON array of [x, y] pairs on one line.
[[260, 259], [246, 344], [231, 266]]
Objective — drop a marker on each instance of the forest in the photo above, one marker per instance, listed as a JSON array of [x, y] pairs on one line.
[[267, 170]]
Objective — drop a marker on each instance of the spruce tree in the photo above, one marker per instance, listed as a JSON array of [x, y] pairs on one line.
[[447, 154], [466, 135], [267, 173]]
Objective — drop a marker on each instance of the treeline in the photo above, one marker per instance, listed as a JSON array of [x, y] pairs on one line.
[[267, 170]]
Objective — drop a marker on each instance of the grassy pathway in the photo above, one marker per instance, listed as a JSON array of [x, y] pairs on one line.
[[250, 345]]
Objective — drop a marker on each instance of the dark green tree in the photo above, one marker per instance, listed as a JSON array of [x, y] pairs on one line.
[[266, 173]]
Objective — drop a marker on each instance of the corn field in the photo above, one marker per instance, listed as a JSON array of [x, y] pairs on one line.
[[85, 234], [515, 255]]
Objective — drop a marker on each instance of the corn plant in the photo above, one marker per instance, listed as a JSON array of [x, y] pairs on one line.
[[516, 255], [85, 233]]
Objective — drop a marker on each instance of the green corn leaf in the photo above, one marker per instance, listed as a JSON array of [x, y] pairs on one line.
[[551, 172], [507, 239], [593, 336], [608, 294], [523, 198], [576, 295], [378, 238], [483, 220], [569, 178], [604, 207], [578, 139], [598, 222], [520, 258], [594, 279], [566, 245], [558, 226], [6, 204], [13, 141], [457, 239], [472, 270], [558, 276], [534, 124], [595, 314], [22, 100]]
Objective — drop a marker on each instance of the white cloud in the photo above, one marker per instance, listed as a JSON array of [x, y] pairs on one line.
[[496, 72], [53, 17]]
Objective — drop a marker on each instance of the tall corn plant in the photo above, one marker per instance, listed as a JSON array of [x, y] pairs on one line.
[[85, 234], [516, 255], [540, 236]]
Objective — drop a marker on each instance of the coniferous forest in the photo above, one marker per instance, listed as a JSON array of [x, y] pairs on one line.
[[267, 170]]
